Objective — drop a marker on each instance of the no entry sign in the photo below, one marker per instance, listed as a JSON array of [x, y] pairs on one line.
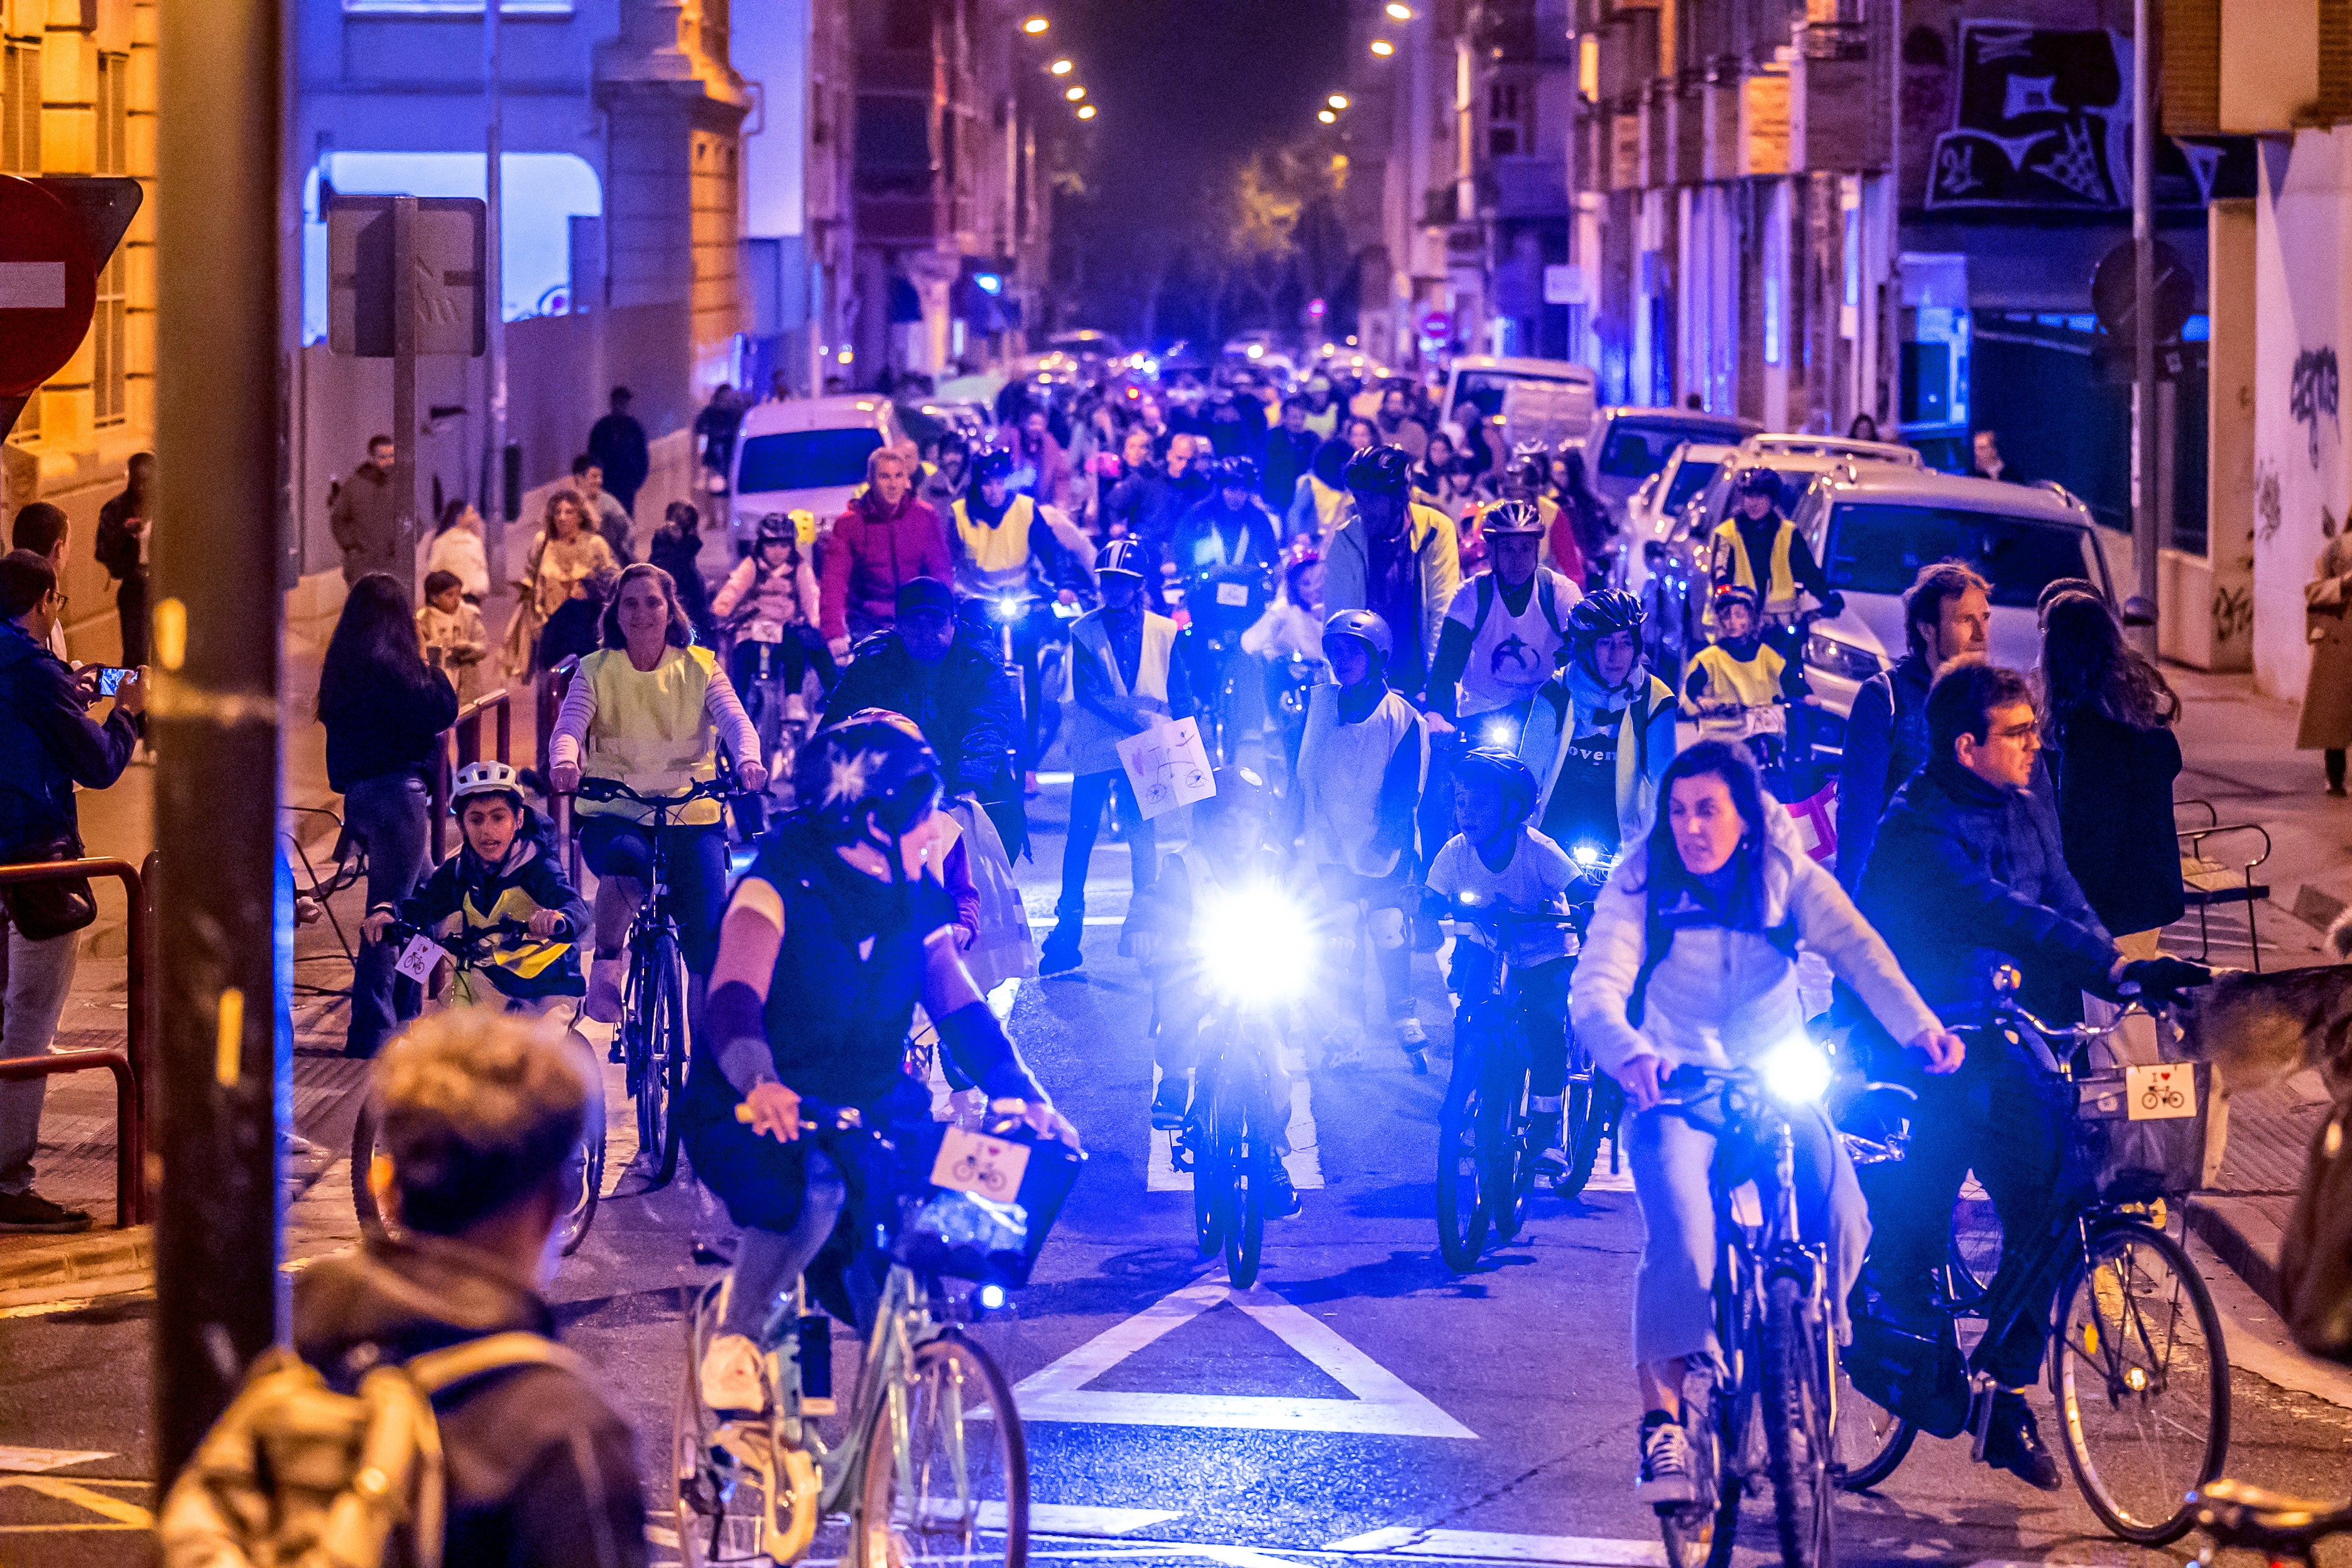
[[49, 285]]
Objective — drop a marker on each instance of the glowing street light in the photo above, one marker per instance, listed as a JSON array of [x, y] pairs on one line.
[[1327, 117], [1382, 47], [1338, 100], [1085, 111], [1061, 68], [1399, 12], [1035, 26], [1074, 94]]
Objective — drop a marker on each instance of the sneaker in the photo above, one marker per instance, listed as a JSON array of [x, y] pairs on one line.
[[29, 1212], [1170, 1101], [1060, 954], [2013, 1443], [731, 1377], [1414, 1041], [1665, 1474], [603, 1003], [1281, 1197]]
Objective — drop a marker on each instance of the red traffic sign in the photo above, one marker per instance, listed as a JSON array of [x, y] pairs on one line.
[[1437, 324], [49, 285]]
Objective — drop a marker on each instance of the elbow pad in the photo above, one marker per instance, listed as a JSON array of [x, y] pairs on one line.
[[977, 1042]]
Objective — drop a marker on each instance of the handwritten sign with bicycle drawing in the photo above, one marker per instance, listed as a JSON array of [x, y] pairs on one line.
[[1168, 767]]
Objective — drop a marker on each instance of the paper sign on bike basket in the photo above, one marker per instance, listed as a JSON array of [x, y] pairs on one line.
[[986, 1167], [1168, 767], [2163, 1089], [418, 959]]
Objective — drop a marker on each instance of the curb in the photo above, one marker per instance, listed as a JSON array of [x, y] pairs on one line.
[[37, 1271], [2242, 1237]]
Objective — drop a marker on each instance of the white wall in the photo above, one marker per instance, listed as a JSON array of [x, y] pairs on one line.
[[768, 43]]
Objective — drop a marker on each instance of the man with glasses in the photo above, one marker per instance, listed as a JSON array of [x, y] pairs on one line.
[[1966, 876]]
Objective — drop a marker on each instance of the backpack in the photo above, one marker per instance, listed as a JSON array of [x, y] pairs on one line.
[[1658, 940], [295, 1473], [2316, 1255]]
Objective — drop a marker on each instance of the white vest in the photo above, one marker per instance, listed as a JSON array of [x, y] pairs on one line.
[[1092, 743]]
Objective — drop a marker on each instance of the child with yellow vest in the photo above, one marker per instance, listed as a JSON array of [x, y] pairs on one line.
[[1739, 669]]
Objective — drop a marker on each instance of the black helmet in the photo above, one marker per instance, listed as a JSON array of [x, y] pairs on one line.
[[1123, 556], [991, 462], [1758, 480], [1599, 615], [872, 770], [1511, 517], [776, 529], [1381, 470], [1235, 473], [1503, 771]]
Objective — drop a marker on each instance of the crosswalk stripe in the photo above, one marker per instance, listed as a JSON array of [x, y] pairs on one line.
[[1496, 1546]]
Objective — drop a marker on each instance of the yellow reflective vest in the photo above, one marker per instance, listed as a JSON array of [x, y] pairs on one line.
[[1779, 595]]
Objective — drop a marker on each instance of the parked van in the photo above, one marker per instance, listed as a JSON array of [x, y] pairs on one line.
[[1547, 400], [803, 452]]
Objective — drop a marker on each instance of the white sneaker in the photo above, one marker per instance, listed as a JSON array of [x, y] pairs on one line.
[[732, 1380], [1665, 1474], [603, 1003]]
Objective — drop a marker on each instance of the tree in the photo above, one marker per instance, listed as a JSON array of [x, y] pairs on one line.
[[1283, 235]]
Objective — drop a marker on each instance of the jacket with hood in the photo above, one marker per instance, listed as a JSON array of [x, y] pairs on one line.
[[48, 743], [872, 551], [539, 1469], [1347, 571], [1721, 996], [531, 879]]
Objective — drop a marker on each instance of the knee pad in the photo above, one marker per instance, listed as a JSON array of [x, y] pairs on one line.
[[1387, 929]]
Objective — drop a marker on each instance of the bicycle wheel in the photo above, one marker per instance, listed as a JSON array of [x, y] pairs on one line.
[[657, 1058], [1510, 1163], [1210, 1188], [1869, 1440], [1593, 1108], [1795, 1412], [946, 1466], [724, 1480], [1974, 1256], [583, 1213], [1462, 1220], [362, 1161], [2142, 1380], [1248, 1148]]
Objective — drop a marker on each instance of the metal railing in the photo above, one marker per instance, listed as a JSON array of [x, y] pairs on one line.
[[130, 1064], [467, 731]]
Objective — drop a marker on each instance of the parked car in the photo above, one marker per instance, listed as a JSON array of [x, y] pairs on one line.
[[1629, 444], [1653, 510], [1547, 400], [1793, 445], [803, 452], [1874, 525]]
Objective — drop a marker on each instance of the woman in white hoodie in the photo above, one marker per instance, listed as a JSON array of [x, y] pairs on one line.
[[1723, 881]]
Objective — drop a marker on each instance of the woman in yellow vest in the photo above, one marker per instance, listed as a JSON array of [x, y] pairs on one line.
[[650, 710], [1756, 549]]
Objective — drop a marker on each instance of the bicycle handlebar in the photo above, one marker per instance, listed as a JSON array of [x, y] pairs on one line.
[[466, 946], [614, 789]]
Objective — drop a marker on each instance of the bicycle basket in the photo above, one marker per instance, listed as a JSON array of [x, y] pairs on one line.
[[2142, 1131], [982, 1207]]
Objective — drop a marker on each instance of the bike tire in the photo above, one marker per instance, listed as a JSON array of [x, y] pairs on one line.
[[2135, 1467], [1245, 1202], [1795, 1411], [926, 1436], [1592, 1109], [1462, 1221], [1510, 1163], [363, 1159], [583, 1213], [658, 1064], [1211, 1189], [1869, 1441]]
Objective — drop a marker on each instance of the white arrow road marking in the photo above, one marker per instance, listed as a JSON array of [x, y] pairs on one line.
[[1495, 1546], [1384, 1405]]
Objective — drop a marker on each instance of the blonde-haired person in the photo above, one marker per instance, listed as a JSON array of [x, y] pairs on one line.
[[885, 539], [651, 709], [564, 556]]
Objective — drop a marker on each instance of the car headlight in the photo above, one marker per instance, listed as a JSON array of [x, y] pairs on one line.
[[1796, 1072], [1255, 946], [1844, 659]]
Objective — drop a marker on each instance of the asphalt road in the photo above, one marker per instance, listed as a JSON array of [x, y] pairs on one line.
[[1401, 1413]]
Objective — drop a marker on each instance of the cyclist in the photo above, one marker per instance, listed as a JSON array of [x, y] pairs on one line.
[[1526, 475], [1738, 668], [1229, 857], [1758, 549], [1496, 861], [775, 585], [1395, 558], [830, 940], [1506, 632], [1691, 957], [1967, 875], [651, 710], [1227, 555], [1014, 556], [1600, 733]]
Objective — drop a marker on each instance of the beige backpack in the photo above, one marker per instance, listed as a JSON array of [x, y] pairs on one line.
[[294, 1474]]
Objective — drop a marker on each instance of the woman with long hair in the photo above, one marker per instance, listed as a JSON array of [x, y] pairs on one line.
[[650, 710], [2107, 721], [566, 553], [1689, 959], [457, 549], [384, 710]]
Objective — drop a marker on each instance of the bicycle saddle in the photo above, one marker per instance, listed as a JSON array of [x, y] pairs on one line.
[[2239, 1515]]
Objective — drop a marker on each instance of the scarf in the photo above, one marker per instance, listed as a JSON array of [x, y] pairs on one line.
[[1600, 708]]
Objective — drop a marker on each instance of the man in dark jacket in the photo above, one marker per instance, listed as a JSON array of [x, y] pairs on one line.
[[617, 444], [365, 518], [1967, 876], [121, 549], [1945, 617], [47, 745], [480, 1113], [1289, 454], [940, 673], [1226, 551]]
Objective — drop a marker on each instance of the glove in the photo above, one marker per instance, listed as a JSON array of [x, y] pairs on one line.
[[1833, 604], [2162, 979]]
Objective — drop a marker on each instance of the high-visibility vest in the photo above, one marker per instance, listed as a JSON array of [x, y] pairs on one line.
[[650, 731], [1780, 596], [1093, 744], [999, 555], [1751, 682]]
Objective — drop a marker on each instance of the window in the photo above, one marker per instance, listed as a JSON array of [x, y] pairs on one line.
[[1878, 547], [1635, 451], [114, 114], [20, 108], [894, 134], [805, 460], [109, 325]]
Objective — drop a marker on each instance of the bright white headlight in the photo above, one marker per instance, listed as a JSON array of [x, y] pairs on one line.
[[1254, 946], [1498, 732], [1586, 855], [1796, 1072]]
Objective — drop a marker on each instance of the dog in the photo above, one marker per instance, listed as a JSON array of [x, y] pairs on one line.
[[2257, 1029]]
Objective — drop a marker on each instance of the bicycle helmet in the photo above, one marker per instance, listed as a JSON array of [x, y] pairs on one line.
[[1380, 471], [776, 529], [485, 778], [1732, 595], [1601, 614], [1363, 626], [1123, 556], [873, 769], [1500, 770], [1757, 482], [1512, 516], [991, 462], [1235, 473]]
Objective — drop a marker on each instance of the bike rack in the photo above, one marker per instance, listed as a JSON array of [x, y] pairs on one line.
[[128, 1064]]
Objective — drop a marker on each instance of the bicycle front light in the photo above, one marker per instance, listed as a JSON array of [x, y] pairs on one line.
[[1007, 608], [1588, 857], [1796, 1072], [1498, 732], [1254, 946]]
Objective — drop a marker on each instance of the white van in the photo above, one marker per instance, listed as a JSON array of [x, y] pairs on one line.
[[803, 452], [1547, 400]]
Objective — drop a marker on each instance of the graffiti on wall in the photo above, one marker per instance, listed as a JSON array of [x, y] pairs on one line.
[[2042, 118], [2233, 613], [2312, 390], [2268, 508]]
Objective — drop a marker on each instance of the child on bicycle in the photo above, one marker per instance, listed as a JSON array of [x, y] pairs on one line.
[[775, 587], [1228, 858], [1496, 862], [1739, 669]]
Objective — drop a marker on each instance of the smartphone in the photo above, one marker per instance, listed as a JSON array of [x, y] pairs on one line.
[[110, 679]]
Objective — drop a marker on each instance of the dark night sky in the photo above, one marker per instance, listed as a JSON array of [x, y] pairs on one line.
[[1188, 89]]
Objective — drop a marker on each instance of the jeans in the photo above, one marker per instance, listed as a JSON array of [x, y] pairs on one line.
[[789, 664], [1089, 792], [35, 976], [388, 813], [768, 1261], [694, 868]]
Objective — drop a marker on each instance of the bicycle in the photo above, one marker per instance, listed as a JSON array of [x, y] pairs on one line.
[[2286, 1530], [929, 1459], [1593, 1109], [1765, 1410], [767, 697], [469, 949], [2145, 1419], [653, 994]]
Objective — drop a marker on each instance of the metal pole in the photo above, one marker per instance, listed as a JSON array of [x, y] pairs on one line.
[[494, 518], [2145, 535], [404, 391], [1890, 318], [214, 709]]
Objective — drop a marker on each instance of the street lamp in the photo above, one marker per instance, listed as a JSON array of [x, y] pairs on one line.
[[1061, 68], [1338, 100], [1399, 12], [1085, 111], [1327, 117], [1035, 26], [1382, 47], [1075, 94]]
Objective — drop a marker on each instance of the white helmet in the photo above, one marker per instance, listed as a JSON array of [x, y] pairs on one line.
[[485, 778]]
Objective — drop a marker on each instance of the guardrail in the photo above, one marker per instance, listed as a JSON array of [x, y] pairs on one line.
[[130, 1064], [467, 730]]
